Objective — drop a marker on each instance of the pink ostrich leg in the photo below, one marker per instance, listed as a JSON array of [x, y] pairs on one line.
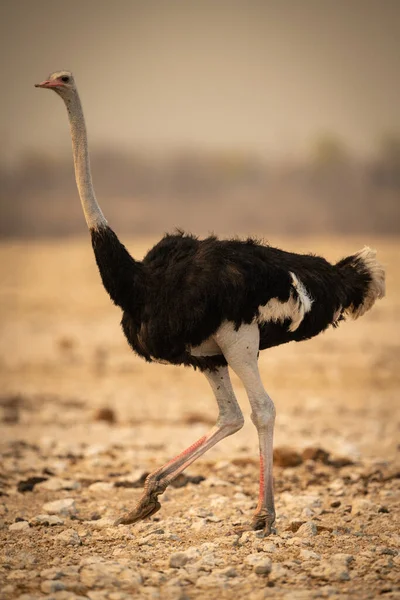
[[229, 421]]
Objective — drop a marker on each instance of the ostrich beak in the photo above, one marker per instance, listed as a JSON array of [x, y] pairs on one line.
[[48, 84]]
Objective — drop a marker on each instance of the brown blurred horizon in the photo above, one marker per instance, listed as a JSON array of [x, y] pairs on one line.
[[262, 116]]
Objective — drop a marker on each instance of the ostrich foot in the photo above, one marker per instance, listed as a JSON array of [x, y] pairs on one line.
[[264, 520], [147, 506]]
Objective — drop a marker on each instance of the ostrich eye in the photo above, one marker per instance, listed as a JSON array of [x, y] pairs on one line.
[[65, 78]]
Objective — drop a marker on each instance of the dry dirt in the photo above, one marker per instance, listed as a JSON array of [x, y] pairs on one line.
[[86, 416]]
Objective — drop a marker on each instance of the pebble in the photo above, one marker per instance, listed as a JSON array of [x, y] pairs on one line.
[[179, 559], [278, 572], [309, 554], [66, 506], [261, 564], [49, 520], [56, 484], [308, 529], [109, 574], [69, 537], [101, 486], [103, 523], [341, 557], [51, 585], [269, 547], [19, 526], [331, 570], [212, 580]]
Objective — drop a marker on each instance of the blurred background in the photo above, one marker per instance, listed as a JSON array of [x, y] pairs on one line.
[[259, 117]]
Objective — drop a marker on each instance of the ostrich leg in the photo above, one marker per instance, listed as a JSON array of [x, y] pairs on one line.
[[229, 421], [240, 349]]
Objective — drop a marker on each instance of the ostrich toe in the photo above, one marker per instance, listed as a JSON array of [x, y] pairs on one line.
[[145, 508]]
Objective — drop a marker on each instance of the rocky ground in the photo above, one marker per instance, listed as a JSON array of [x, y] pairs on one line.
[[83, 420]]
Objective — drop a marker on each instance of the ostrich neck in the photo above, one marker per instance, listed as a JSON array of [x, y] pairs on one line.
[[92, 211]]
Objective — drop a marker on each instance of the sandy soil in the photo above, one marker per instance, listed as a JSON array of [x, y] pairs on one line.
[[80, 411]]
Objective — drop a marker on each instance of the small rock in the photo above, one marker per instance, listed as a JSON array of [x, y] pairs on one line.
[[52, 573], [56, 484], [101, 486], [103, 523], [261, 564], [51, 585], [278, 571], [229, 572], [308, 529], [20, 526], [47, 520], [269, 547], [178, 560], [343, 558], [69, 537], [334, 569], [100, 574], [309, 554], [248, 536], [211, 581], [66, 506]]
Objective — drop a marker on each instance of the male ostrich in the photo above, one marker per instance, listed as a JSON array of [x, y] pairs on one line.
[[216, 303]]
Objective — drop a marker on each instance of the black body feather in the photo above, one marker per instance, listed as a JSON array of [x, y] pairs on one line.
[[185, 288]]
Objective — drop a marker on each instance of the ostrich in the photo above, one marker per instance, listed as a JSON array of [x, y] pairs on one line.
[[214, 303]]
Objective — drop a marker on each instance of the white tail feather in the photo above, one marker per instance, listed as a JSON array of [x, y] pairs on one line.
[[376, 287]]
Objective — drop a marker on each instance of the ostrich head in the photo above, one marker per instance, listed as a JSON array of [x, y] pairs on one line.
[[61, 82]]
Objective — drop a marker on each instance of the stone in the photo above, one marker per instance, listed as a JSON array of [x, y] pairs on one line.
[[101, 486], [52, 573], [261, 564], [211, 580], [308, 529], [343, 558], [331, 571], [97, 573], [309, 555], [47, 520], [51, 585], [56, 484], [19, 526], [179, 559], [69, 537], [278, 572], [66, 506], [103, 523], [269, 547]]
